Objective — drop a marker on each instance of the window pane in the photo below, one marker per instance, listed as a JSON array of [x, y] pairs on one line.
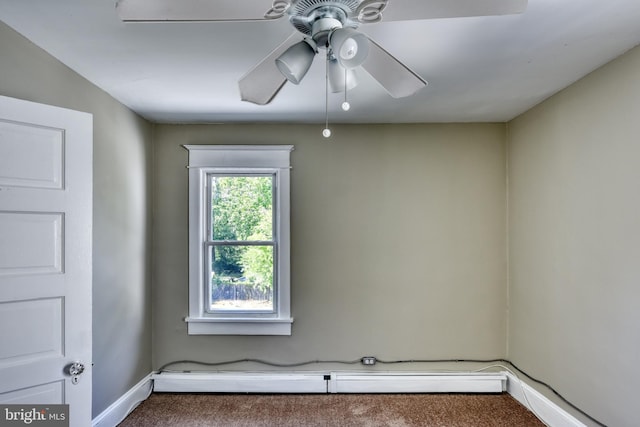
[[241, 278], [241, 207]]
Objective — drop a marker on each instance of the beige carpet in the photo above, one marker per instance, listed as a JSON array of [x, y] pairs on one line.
[[344, 410]]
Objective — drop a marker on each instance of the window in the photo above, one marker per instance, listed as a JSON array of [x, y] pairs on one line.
[[239, 240]]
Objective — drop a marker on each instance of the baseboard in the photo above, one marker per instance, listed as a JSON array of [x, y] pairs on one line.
[[118, 410], [334, 382], [550, 413], [337, 382]]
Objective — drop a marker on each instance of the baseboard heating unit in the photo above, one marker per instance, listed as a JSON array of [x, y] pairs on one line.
[[331, 382]]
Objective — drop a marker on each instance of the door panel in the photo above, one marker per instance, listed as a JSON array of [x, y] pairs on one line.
[[42, 322], [31, 156], [32, 243], [47, 394], [45, 255]]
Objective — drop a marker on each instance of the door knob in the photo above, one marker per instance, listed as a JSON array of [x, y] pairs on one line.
[[76, 368]]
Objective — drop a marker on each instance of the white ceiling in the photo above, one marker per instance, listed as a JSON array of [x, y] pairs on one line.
[[478, 69]]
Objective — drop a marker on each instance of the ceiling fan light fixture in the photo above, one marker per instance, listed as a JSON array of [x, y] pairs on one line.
[[296, 61], [341, 78], [350, 47]]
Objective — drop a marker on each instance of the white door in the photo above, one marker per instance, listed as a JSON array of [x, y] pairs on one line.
[[45, 256]]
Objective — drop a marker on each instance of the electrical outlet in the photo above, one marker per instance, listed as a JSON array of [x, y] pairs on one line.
[[368, 360]]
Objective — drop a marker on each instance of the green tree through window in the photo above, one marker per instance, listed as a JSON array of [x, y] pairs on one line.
[[242, 242]]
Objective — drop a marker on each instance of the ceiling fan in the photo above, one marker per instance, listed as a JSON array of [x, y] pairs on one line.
[[328, 24]]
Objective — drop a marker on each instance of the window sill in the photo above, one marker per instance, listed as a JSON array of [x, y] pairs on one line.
[[238, 326]]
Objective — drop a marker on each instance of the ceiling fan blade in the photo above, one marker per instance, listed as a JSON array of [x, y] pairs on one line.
[[263, 82], [405, 10], [200, 10], [393, 75]]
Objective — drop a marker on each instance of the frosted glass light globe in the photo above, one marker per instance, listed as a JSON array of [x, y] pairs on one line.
[[349, 49], [326, 133], [346, 106]]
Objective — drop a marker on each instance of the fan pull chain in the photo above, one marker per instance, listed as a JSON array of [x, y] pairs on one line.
[[326, 132], [345, 104]]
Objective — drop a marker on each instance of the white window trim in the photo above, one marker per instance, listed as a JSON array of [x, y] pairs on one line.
[[206, 159]]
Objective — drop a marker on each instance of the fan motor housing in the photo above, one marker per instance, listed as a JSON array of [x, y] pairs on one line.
[[304, 13]]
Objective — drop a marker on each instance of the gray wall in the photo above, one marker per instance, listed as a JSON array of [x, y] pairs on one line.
[[398, 243], [574, 202], [122, 198]]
